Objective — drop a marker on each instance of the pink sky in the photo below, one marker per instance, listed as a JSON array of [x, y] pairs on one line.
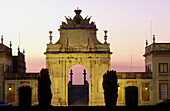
[[78, 77], [127, 22]]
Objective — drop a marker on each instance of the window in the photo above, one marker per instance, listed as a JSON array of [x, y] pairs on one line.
[[163, 91], [163, 67], [148, 68]]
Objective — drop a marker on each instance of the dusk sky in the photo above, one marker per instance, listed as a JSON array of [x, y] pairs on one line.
[[128, 23]]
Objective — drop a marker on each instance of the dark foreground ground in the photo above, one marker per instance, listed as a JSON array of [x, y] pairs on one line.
[[78, 96], [86, 108]]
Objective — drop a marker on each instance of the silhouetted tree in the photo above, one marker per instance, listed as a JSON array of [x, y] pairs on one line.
[[44, 90], [110, 87]]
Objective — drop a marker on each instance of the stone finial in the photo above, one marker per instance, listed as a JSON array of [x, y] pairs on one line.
[[2, 39], [50, 32], [146, 42], [71, 72], [153, 38], [71, 76], [105, 36], [10, 44], [78, 11], [23, 51], [18, 49], [84, 71]]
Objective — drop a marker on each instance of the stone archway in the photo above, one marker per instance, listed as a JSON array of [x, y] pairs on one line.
[[78, 86], [25, 96], [77, 44], [78, 76], [131, 96]]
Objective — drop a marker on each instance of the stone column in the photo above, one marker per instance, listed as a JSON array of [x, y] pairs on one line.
[[84, 77], [71, 76]]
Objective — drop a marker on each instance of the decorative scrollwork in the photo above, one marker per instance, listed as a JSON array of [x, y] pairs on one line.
[[78, 22]]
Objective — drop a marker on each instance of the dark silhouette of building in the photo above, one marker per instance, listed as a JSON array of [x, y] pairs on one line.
[[5, 66], [19, 62], [16, 86]]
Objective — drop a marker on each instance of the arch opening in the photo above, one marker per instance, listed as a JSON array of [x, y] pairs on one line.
[[78, 86], [25, 96], [131, 96]]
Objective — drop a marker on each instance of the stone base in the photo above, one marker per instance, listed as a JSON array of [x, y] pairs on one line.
[[59, 103]]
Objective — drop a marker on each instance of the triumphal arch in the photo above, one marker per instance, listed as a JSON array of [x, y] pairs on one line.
[[77, 44]]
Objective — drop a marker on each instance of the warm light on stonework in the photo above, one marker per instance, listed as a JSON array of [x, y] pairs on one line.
[[146, 87], [10, 88], [78, 36]]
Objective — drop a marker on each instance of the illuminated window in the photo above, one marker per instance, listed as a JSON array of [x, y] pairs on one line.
[[163, 91], [163, 67]]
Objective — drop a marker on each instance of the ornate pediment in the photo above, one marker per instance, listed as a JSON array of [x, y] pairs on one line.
[[78, 22]]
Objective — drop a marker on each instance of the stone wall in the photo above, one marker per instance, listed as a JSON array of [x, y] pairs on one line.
[[12, 95], [59, 64]]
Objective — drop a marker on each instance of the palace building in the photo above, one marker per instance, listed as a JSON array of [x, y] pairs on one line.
[[157, 62], [78, 44], [16, 86]]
